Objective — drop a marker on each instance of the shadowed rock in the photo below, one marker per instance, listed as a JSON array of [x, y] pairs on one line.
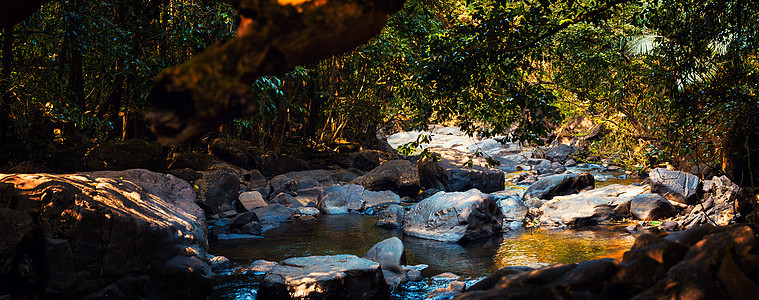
[[559, 185], [325, 277], [675, 185], [125, 234]]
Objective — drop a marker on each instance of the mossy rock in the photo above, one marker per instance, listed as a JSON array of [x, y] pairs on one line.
[[130, 154]]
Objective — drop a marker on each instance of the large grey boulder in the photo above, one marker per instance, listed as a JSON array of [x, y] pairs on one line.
[[250, 200], [454, 170], [675, 185], [651, 207], [587, 208], [340, 199], [389, 253], [559, 185], [379, 199], [558, 153], [121, 234], [454, 217], [399, 176], [325, 277]]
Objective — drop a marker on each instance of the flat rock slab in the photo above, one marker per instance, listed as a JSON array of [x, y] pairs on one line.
[[579, 209], [325, 277]]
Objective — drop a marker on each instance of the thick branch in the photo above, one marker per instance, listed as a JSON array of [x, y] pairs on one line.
[[214, 87]]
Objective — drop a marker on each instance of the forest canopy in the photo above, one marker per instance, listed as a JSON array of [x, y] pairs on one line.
[[670, 81]]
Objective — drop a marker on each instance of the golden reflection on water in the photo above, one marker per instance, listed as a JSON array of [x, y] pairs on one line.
[[542, 247]]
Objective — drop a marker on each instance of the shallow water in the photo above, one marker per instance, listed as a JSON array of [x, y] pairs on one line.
[[355, 234]]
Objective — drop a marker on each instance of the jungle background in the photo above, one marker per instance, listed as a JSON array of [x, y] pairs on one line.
[[667, 82]]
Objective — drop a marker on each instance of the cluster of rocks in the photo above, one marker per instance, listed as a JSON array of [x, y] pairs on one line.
[[704, 262]]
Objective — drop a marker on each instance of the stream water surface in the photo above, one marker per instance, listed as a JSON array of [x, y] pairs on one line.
[[355, 234]]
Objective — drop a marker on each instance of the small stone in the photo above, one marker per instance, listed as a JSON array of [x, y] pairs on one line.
[[446, 276]]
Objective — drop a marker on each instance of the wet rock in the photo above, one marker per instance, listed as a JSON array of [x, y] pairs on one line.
[[399, 176], [676, 186], [217, 191], [255, 179], [581, 209], [250, 200], [306, 211], [559, 185], [649, 207], [454, 217], [448, 276], [389, 253], [261, 266], [258, 227], [140, 229], [129, 154], [325, 277], [392, 217], [454, 170], [220, 263], [454, 288], [274, 213]]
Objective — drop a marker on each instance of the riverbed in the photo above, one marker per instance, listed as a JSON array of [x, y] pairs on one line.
[[355, 234]]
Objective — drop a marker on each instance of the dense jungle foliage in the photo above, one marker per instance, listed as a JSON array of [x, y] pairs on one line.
[[671, 81]]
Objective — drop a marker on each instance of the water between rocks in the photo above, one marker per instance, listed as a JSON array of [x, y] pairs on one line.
[[355, 234]]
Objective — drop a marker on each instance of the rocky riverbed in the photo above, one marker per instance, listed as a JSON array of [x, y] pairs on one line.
[[453, 217]]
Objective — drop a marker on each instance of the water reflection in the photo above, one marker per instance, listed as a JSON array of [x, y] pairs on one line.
[[355, 234]]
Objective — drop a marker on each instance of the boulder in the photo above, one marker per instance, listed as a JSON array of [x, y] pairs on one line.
[[325, 277], [219, 263], [194, 161], [392, 217], [452, 170], [586, 208], [559, 185], [389, 253], [250, 200], [365, 160], [309, 197], [261, 266], [129, 154], [217, 191], [454, 288], [399, 176], [651, 207], [724, 203], [15, 242], [273, 213], [286, 200], [676, 186], [340, 199], [455, 217], [306, 211], [373, 200], [128, 234], [513, 208], [293, 182], [558, 153]]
